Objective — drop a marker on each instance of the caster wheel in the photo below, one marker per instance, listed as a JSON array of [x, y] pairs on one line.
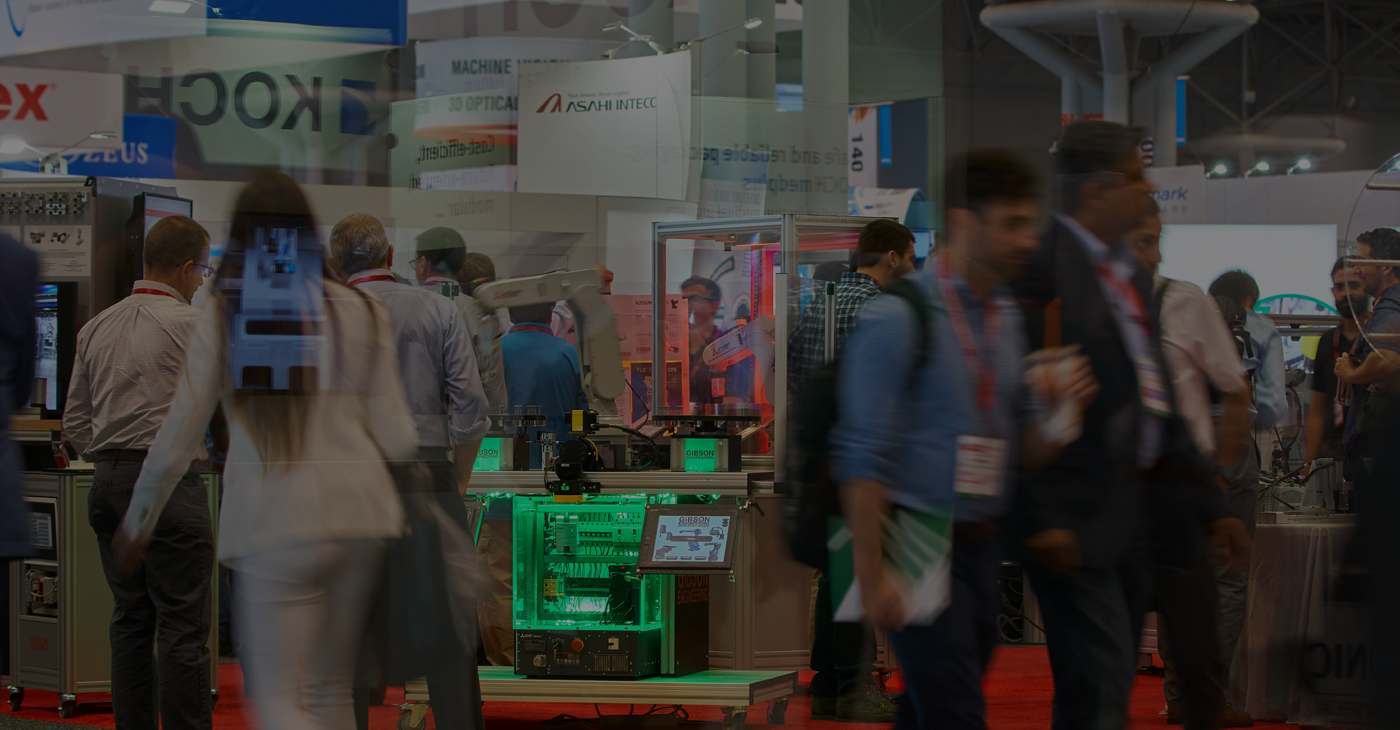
[[733, 719], [67, 709], [777, 711], [213, 697], [16, 698], [406, 721]]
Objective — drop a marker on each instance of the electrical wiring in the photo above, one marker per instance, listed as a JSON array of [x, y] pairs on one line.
[[655, 452]]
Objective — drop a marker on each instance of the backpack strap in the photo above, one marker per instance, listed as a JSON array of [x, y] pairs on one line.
[[910, 292]]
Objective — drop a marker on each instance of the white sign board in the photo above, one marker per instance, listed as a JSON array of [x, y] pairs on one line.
[[44, 26], [54, 109], [63, 250], [1284, 259], [1180, 193], [618, 128], [863, 127]]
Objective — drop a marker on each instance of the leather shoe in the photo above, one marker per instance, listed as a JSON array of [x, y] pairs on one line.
[[1231, 717]]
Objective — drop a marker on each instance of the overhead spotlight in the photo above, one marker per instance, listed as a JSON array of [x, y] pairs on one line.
[[174, 7], [1262, 166], [1303, 164], [1220, 170], [752, 23], [12, 146]]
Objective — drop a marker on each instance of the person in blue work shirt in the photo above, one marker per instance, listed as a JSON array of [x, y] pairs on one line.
[[542, 370], [1266, 372], [947, 434]]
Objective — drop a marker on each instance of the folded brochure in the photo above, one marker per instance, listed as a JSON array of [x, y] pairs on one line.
[[918, 555]]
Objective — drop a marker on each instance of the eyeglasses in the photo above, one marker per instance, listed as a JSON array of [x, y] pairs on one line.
[[693, 298], [205, 270], [415, 259]]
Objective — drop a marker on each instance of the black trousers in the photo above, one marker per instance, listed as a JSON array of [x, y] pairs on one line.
[[843, 654], [454, 682], [167, 599], [1189, 641], [943, 663]]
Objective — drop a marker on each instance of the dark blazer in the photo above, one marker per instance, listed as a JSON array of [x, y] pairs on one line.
[[19, 274], [1096, 487]]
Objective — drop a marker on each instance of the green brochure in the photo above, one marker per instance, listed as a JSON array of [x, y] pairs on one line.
[[918, 554]]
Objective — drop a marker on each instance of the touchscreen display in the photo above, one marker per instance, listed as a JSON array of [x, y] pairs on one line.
[[691, 538]]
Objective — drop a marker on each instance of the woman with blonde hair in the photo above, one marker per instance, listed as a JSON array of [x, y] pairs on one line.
[[307, 371]]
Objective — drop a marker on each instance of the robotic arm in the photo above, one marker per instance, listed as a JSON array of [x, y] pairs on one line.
[[600, 359], [756, 338]]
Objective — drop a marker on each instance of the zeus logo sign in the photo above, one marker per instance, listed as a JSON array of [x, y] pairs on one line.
[[358, 100], [29, 98]]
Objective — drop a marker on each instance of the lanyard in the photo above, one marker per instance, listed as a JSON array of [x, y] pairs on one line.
[[1129, 294], [156, 292], [367, 279], [532, 327], [972, 360]]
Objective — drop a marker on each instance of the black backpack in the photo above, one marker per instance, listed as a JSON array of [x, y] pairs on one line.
[[813, 497]]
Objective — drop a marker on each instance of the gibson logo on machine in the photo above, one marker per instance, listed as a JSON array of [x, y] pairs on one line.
[[692, 589]]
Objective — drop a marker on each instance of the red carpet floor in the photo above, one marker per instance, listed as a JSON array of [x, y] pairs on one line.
[[1018, 690]]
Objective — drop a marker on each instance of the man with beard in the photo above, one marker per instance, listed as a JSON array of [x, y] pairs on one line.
[[1371, 368], [1326, 414]]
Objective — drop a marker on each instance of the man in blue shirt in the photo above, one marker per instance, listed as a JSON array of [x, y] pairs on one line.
[[542, 370], [1378, 358], [915, 439]]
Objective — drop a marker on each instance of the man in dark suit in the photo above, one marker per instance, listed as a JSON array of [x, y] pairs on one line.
[[18, 337], [1083, 522]]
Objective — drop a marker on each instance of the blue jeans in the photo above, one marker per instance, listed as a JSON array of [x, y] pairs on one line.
[[943, 663], [1093, 624]]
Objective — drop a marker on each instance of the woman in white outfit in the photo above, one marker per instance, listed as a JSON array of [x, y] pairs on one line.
[[308, 501]]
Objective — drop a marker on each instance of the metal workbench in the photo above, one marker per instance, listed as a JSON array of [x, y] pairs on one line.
[[734, 691]]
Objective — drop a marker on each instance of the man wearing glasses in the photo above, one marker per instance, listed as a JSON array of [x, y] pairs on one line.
[[734, 383], [125, 370]]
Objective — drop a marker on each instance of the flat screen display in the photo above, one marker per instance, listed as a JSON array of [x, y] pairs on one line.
[[159, 206], [688, 539], [46, 378]]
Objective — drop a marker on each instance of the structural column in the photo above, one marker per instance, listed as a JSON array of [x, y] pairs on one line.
[[762, 43], [654, 18], [722, 66]]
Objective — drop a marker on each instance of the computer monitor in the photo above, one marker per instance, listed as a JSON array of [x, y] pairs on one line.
[[146, 210], [55, 306]]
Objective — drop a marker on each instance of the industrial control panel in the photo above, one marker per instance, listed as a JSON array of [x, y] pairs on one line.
[[581, 607]]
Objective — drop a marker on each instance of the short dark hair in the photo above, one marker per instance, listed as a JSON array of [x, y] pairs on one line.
[[1090, 147], [443, 248], [879, 237], [1384, 243], [711, 287], [1341, 264], [981, 176], [1237, 286], [533, 313], [171, 242], [476, 266], [830, 271]]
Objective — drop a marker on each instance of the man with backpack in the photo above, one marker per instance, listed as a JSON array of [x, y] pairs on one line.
[[1201, 355], [843, 654], [932, 401]]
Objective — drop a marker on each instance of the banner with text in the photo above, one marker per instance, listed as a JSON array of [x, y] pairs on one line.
[[54, 109], [1180, 193], [864, 131], [47, 26], [619, 127]]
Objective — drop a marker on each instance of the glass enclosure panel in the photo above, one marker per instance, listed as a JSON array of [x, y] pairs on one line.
[[576, 564]]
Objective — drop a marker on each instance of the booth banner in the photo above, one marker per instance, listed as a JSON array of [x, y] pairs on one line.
[[864, 132], [412, 157], [148, 150], [1180, 193], [483, 75], [54, 109], [883, 202], [45, 26], [496, 178], [733, 182], [615, 128], [327, 114]]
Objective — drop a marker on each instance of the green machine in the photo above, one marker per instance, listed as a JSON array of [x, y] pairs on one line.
[[589, 603]]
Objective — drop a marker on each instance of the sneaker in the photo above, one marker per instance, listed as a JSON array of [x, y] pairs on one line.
[[1231, 717], [865, 705], [823, 708]]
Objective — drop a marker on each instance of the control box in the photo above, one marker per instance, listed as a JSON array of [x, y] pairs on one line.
[[588, 653]]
